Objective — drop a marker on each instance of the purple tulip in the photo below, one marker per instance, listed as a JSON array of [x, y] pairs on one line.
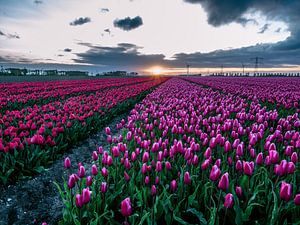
[[215, 173], [297, 199], [153, 190], [238, 191], [228, 202], [103, 187], [81, 172], [224, 182], [126, 208], [67, 163], [78, 201], [94, 170], [285, 191], [187, 178], [104, 172], [86, 195], [173, 185]]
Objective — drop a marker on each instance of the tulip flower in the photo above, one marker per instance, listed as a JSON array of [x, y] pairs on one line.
[[224, 182], [168, 165], [259, 159], [248, 170], [239, 191], [294, 157], [78, 201], [285, 191], [71, 181], [187, 178], [126, 208], [95, 156], [297, 199], [274, 156], [228, 202], [107, 130], [153, 190], [67, 163], [145, 157], [103, 187], [89, 181], [81, 172], [115, 151], [215, 173], [104, 172], [158, 166], [94, 170], [126, 176], [86, 195], [173, 185]]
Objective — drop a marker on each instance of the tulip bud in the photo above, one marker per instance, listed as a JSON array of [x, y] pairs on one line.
[[147, 180], [168, 165], [153, 190], [158, 166], [205, 164], [238, 191], [239, 165], [103, 187], [294, 157], [81, 172], [94, 170], [86, 195], [187, 178], [259, 159], [107, 130], [89, 181], [228, 202], [104, 172], [297, 199], [285, 191], [248, 170], [227, 146], [126, 209], [145, 157], [67, 163], [126, 176], [215, 173], [224, 182], [95, 156], [274, 156], [156, 180], [173, 185], [78, 201], [71, 181]]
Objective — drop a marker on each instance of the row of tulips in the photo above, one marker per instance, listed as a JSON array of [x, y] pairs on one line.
[[273, 92], [32, 137], [191, 155], [18, 95]]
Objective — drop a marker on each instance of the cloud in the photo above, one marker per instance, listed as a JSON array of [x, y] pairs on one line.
[[67, 50], [128, 24], [80, 21], [220, 12], [123, 56], [37, 2], [104, 10], [264, 28], [9, 36]]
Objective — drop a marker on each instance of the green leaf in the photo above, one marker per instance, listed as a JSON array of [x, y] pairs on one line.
[[179, 220], [275, 210], [199, 215]]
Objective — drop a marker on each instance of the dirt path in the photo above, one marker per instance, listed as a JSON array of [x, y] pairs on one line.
[[37, 200]]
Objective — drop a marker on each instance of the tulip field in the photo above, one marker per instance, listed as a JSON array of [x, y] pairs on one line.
[[41, 120], [196, 150]]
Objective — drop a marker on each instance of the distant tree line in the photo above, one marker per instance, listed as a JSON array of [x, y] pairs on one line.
[[256, 74], [27, 72]]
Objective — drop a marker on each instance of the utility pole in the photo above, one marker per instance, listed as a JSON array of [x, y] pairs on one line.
[[257, 61], [243, 66], [188, 69], [222, 69]]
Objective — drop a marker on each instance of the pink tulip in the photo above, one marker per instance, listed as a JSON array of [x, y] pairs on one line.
[[158, 166], [248, 169], [71, 181], [228, 202], [104, 172], [67, 163], [126, 208], [145, 157], [107, 130], [297, 199], [147, 180], [259, 159], [294, 157], [168, 165], [94, 170], [95, 156], [103, 187], [153, 190], [187, 178], [274, 156], [89, 181], [81, 172], [224, 182], [78, 201], [215, 173], [285, 191], [173, 185], [227, 146], [86, 195], [238, 191]]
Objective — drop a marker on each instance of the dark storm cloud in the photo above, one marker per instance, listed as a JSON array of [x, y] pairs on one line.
[[104, 10], [128, 23], [38, 2], [10, 36], [220, 12], [80, 21], [264, 28], [67, 50], [122, 56]]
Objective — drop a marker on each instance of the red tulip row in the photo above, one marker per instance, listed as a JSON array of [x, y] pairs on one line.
[[16, 95], [32, 136], [277, 91], [188, 155]]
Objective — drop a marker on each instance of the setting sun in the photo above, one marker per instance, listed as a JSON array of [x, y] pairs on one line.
[[156, 71]]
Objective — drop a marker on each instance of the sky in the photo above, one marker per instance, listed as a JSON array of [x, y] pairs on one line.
[[150, 36]]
